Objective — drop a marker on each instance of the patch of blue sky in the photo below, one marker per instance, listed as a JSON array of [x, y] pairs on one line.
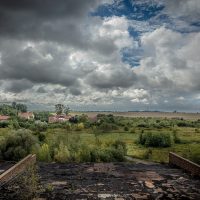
[[134, 33], [136, 10], [197, 23], [132, 56]]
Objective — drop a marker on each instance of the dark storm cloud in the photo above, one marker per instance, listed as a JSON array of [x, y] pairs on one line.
[[30, 64], [116, 78], [18, 86], [75, 91], [45, 20]]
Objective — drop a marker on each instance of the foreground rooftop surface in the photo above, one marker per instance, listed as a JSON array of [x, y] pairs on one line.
[[116, 181]]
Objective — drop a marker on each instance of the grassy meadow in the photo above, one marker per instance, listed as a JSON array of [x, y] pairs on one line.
[[109, 138]]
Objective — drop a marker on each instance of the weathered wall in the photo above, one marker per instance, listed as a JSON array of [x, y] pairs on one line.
[[17, 169], [185, 164]]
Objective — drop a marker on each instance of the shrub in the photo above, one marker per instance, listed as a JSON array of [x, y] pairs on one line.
[[62, 153], [4, 124], [155, 139], [14, 124], [85, 154], [107, 127], [132, 130], [44, 154], [41, 137], [80, 127], [120, 145], [195, 155], [114, 151], [17, 145], [177, 139], [126, 128], [197, 130], [40, 126]]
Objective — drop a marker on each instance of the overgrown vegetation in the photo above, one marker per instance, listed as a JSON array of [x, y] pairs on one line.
[[156, 139], [104, 139]]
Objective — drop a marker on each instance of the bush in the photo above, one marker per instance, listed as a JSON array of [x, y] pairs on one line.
[[14, 124], [4, 124], [155, 139], [41, 137], [114, 151], [62, 153], [40, 126], [132, 130], [177, 139], [107, 127], [197, 130], [17, 145], [44, 154], [120, 145], [195, 155], [126, 128], [80, 127]]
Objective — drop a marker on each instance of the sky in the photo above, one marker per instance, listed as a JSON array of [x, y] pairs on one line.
[[117, 55]]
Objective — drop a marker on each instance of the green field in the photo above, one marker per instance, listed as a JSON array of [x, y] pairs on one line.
[[84, 137]]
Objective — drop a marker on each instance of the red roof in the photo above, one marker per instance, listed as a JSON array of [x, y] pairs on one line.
[[4, 117]]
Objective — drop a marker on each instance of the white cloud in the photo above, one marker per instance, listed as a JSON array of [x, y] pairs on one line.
[[171, 60], [184, 8]]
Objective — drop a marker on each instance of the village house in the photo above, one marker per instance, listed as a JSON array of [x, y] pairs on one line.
[[4, 118], [59, 118], [26, 115]]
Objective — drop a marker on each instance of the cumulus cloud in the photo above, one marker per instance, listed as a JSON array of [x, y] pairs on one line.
[[58, 52], [170, 67], [189, 9]]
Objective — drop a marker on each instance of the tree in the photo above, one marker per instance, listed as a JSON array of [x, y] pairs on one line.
[[21, 107], [17, 145], [59, 109], [7, 110], [14, 104], [66, 110]]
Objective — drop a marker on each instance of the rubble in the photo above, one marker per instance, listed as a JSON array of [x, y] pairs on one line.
[[117, 181]]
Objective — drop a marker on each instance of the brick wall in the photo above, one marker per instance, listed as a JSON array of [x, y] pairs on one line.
[[185, 164], [17, 168]]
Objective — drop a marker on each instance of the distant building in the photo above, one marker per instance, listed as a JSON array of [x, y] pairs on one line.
[[26, 115], [4, 118], [92, 118], [59, 118]]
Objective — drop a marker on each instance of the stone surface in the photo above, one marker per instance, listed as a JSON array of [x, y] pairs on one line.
[[115, 181]]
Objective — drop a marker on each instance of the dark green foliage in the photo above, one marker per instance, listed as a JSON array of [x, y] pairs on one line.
[[40, 126], [195, 155], [106, 154], [177, 139], [59, 108], [66, 110], [106, 118], [74, 119], [42, 116], [7, 110], [126, 128], [155, 139], [21, 107], [14, 124], [4, 124], [118, 144], [104, 126], [17, 145], [41, 137]]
